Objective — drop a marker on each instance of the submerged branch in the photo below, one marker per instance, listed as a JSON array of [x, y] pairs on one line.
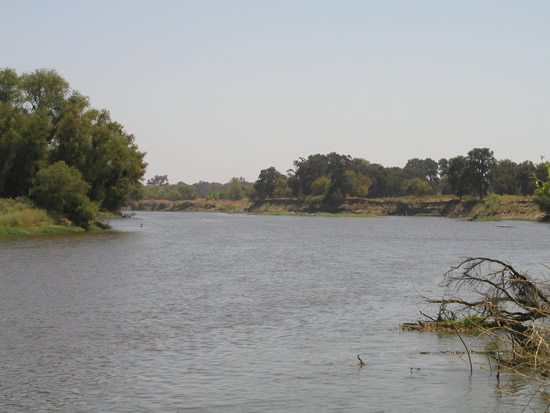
[[489, 296]]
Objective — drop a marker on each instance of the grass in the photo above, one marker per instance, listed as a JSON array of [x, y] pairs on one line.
[[44, 229], [470, 325], [19, 216], [20, 213], [497, 207]]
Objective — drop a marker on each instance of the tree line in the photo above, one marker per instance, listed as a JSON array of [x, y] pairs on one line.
[[335, 176], [56, 149], [159, 187]]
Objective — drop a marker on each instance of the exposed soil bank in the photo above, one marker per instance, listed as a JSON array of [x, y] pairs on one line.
[[493, 207]]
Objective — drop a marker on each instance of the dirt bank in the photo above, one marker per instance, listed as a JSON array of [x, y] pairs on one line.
[[493, 207]]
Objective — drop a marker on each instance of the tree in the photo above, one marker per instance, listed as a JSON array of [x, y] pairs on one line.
[[159, 180], [266, 182], [503, 177], [542, 193], [443, 167], [115, 166], [235, 189], [320, 186], [43, 122], [23, 151], [378, 174], [45, 88], [357, 184], [306, 171], [205, 188], [61, 190], [418, 187], [526, 178], [480, 164], [425, 169], [457, 174], [9, 87], [187, 191], [395, 179], [70, 140], [336, 171], [282, 190]]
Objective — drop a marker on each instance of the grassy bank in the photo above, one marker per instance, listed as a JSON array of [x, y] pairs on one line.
[[20, 217], [494, 207]]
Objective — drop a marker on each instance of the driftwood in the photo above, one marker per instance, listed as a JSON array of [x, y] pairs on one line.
[[509, 307]]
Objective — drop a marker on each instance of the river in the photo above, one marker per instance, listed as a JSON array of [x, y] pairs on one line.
[[173, 312]]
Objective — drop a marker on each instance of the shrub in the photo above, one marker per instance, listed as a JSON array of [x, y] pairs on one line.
[[61, 190]]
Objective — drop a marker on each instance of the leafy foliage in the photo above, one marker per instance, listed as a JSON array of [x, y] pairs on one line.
[[158, 180], [320, 186], [542, 193], [42, 123], [418, 187], [61, 190], [266, 182], [480, 164]]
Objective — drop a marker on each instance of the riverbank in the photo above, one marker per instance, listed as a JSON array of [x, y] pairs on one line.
[[494, 207], [20, 217]]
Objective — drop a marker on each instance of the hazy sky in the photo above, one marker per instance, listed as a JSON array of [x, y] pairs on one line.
[[216, 89]]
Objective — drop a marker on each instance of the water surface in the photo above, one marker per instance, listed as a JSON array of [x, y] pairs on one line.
[[216, 312]]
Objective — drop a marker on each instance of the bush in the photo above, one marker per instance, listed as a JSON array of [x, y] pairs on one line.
[[542, 193], [61, 190], [320, 186]]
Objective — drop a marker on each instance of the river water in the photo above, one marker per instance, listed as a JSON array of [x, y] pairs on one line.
[[176, 312]]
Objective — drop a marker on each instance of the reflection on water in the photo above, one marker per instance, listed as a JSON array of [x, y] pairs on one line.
[[219, 312]]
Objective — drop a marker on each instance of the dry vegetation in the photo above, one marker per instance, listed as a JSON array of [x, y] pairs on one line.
[[20, 216], [493, 207], [510, 309]]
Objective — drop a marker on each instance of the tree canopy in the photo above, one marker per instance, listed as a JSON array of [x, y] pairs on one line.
[[43, 122], [334, 176]]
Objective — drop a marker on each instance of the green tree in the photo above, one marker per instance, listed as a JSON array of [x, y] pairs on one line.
[[70, 140], [282, 190], [443, 171], [306, 171], [204, 188], [235, 189], [61, 190], [358, 184], [419, 187], [45, 88], [187, 191], [43, 122], [336, 171], [321, 186], [9, 87], [378, 174], [159, 180], [424, 169], [542, 193], [480, 164], [457, 174], [115, 166], [525, 177], [503, 177], [266, 182], [394, 181]]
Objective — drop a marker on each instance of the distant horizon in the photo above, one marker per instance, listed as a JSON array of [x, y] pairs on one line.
[[215, 90]]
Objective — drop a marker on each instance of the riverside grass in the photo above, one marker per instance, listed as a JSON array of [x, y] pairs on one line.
[[20, 217]]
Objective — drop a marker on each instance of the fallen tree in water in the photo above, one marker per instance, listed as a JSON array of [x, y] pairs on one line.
[[512, 309]]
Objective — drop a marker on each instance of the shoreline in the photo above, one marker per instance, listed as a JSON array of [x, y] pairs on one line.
[[494, 207]]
